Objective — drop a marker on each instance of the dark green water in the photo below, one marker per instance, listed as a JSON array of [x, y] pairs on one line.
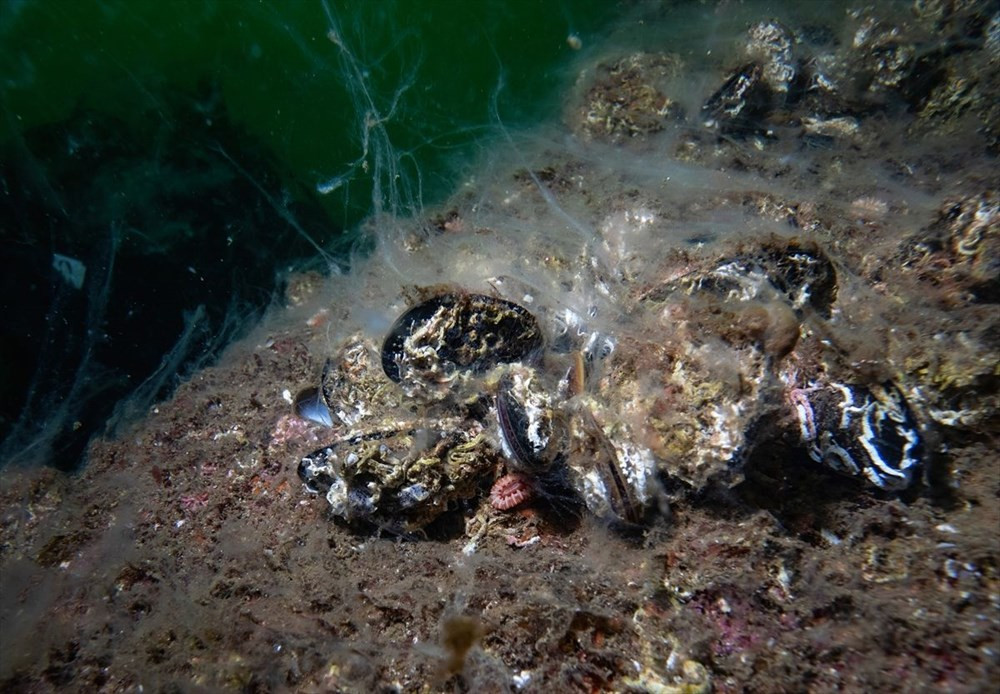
[[188, 154], [422, 74]]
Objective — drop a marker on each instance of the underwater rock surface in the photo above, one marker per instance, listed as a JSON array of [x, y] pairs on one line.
[[733, 387]]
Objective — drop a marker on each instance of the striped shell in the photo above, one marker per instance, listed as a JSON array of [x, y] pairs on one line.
[[862, 432]]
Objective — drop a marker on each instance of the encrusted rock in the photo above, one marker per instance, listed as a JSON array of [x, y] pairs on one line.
[[628, 97]]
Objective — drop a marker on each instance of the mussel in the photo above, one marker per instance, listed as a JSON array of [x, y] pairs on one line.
[[402, 478], [459, 332], [530, 431], [310, 405], [801, 271], [787, 270], [612, 474], [741, 104], [862, 432]]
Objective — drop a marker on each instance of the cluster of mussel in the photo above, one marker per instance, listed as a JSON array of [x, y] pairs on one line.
[[466, 385], [457, 392]]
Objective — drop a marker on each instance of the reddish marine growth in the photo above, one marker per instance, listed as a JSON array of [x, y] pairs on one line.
[[510, 491]]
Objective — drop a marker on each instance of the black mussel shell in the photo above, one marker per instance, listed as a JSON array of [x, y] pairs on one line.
[[867, 433], [315, 472], [742, 102], [593, 448], [802, 272], [799, 273], [475, 332], [529, 431], [400, 478]]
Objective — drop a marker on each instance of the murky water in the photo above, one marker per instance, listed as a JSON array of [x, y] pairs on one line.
[[645, 349]]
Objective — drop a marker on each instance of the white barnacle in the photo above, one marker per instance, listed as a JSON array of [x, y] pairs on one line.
[[337, 497], [412, 495]]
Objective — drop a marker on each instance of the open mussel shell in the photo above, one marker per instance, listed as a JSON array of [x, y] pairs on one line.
[[470, 332], [612, 474]]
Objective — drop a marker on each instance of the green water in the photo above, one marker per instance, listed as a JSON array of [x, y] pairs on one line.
[[309, 79], [188, 153]]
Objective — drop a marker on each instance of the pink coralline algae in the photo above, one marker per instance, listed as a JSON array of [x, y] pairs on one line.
[[291, 429], [194, 502]]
